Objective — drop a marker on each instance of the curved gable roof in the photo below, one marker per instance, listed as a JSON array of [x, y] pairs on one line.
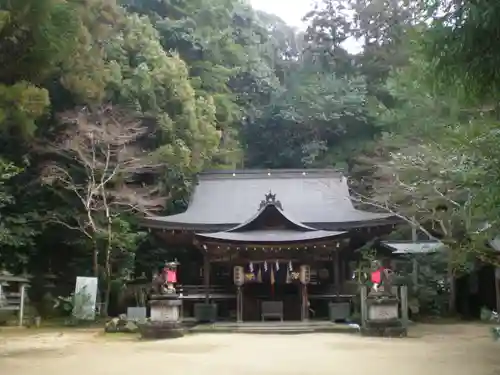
[[225, 199], [270, 225], [258, 221]]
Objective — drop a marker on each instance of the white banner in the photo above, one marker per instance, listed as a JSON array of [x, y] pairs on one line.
[[84, 300]]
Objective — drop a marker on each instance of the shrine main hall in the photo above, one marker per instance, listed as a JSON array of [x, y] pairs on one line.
[[269, 244]]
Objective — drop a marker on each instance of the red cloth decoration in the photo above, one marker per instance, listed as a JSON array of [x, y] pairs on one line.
[[171, 276], [377, 275]]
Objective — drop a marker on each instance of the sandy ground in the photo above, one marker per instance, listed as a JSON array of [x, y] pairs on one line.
[[431, 350]]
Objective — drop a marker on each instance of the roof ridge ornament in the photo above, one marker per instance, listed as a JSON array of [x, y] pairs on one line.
[[270, 199]]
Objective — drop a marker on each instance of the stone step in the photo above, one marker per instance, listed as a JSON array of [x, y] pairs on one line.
[[277, 328]]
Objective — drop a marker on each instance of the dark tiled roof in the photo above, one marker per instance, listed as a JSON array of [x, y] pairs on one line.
[[224, 199]]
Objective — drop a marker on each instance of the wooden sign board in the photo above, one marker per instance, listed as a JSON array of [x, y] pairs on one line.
[[497, 273], [383, 312]]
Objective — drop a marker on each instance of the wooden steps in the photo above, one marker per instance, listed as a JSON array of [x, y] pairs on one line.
[[273, 327]]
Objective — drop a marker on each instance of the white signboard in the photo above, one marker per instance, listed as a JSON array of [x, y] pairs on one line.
[[84, 305]]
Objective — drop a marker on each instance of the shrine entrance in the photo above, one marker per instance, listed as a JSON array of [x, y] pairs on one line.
[[269, 293], [271, 254]]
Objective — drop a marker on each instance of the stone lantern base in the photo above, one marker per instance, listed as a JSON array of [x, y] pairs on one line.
[[383, 317], [165, 319]]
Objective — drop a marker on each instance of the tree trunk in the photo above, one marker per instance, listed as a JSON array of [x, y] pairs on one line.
[[95, 260], [108, 267]]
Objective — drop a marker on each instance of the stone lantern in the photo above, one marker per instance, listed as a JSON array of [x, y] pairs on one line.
[[165, 305]]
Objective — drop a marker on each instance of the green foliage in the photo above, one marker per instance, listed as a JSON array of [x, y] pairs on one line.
[[15, 231], [460, 43], [21, 104], [312, 122], [156, 83], [35, 36]]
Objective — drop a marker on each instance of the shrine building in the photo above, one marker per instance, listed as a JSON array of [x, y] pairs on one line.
[[269, 244]]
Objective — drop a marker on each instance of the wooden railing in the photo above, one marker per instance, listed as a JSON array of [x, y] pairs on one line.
[[199, 292], [324, 291]]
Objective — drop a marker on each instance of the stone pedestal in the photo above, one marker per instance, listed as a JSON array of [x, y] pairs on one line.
[[165, 319], [165, 310], [383, 310], [383, 318]]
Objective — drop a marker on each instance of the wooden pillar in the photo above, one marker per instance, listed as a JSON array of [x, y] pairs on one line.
[[336, 272], [22, 291], [343, 272], [304, 313], [206, 277]]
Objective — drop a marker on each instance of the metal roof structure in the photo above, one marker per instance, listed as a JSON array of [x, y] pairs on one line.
[[270, 225], [318, 198], [495, 243], [409, 247], [7, 277]]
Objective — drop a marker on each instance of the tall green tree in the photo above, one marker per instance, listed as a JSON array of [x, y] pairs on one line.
[[460, 43]]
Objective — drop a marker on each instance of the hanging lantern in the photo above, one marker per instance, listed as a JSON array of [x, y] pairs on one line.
[[238, 276], [305, 274]]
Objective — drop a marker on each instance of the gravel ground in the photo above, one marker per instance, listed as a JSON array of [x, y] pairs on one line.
[[431, 350]]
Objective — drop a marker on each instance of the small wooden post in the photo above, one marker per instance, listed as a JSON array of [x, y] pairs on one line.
[[415, 273], [181, 308], [497, 288], [22, 290], [206, 277], [301, 294], [404, 305], [364, 309], [414, 238]]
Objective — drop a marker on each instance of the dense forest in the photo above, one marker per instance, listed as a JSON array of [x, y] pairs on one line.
[[108, 108]]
